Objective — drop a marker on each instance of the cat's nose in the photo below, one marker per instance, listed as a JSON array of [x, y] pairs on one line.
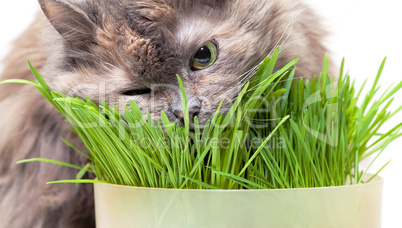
[[193, 112]]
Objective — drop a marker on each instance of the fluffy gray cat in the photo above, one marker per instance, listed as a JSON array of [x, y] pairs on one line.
[[130, 49]]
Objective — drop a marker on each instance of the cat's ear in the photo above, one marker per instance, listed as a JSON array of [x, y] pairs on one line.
[[71, 22]]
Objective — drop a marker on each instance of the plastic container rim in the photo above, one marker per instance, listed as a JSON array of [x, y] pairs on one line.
[[375, 181]]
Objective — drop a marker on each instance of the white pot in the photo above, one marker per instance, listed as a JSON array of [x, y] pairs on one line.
[[338, 207]]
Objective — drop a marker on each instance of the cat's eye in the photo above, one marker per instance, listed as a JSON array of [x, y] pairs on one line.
[[137, 92], [205, 56]]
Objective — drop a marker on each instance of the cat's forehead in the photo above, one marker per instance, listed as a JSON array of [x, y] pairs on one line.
[[172, 28], [160, 35], [146, 17]]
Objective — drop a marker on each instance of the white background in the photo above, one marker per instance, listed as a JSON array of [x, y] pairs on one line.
[[362, 31]]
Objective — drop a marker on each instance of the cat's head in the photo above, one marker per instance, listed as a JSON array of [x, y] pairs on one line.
[[133, 49]]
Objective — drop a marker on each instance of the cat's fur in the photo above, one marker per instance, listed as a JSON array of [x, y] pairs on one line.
[[101, 48]]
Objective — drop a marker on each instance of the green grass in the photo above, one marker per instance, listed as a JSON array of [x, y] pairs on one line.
[[306, 133]]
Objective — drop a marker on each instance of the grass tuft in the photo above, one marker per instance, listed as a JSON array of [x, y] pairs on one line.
[[279, 133]]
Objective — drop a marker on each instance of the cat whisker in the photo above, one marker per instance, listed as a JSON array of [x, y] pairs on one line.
[[285, 80], [295, 78], [249, 74], [253, 69], [290, 24], [246, 76], [260, 83]]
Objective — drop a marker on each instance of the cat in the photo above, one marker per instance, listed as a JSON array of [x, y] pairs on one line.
[[130, 49]]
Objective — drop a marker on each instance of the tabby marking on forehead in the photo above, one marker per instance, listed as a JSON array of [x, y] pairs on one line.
[[137, 45]]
